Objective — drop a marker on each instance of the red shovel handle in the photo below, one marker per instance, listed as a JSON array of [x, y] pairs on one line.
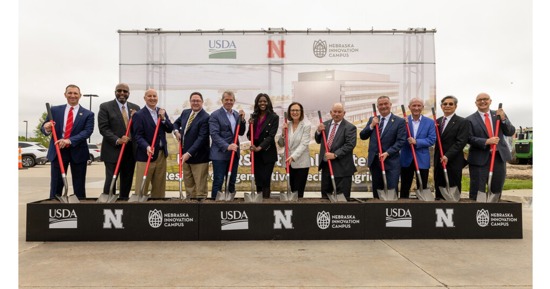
[[152, 146], [235, 142], [286, 145], [123, 147], [57, 151], [409, 134], [378, 139], [325, 143], [438, 138]]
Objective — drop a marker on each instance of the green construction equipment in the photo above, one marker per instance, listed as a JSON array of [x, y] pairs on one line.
[[523, 146]]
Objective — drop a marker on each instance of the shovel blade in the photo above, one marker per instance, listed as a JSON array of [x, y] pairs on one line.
[[387, 195], [220, 196], [103, 198], [425, 195], [73, 199], [143, 198], [494, 198], [133, 198], [253, 198], [62, 199], [112, 198], [450, 195], [481, 197]]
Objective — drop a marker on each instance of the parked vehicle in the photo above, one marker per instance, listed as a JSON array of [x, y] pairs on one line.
[[33, 153], [523, 146], [95, 153]]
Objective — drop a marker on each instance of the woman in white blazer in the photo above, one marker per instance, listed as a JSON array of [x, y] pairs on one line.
[[299, 135]]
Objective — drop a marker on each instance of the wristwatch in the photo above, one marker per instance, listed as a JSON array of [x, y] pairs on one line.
[[335, 155]]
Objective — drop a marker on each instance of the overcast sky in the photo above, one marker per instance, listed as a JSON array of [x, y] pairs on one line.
[[481, 46]]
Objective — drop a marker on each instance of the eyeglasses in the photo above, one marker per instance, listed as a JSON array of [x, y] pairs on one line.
[[447, 104], [483, 99], [122, 90]]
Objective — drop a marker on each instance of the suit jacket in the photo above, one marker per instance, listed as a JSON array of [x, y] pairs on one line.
[[393, 139], [298, 144], [343, 144], [111, 126], [143, 130], [425, 138], [196, 141], [83, 127], [453, 140], [222, 135], [266, 139], [480, 153]]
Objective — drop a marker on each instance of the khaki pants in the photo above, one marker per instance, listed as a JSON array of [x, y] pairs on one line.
[[195, 179], [156, 177]]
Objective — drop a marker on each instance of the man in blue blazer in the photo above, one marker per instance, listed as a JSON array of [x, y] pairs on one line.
[[192, 126], [143, 129], [422, 138], [72, 136], [481, 139], [393, 137], [222, 125]]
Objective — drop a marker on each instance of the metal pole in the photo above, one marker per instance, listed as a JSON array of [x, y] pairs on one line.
[[26, 128], [90, 96]]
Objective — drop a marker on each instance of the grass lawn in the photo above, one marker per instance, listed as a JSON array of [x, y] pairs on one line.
[[509, 184]]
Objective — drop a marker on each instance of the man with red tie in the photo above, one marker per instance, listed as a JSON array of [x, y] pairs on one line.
[[482, 137], [73, 125]]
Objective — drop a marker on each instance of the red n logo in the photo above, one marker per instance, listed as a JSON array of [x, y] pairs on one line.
[[278, 48]]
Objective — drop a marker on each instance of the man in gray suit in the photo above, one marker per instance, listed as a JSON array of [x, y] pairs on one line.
[[341, 139], [483, 136], [112, 121]]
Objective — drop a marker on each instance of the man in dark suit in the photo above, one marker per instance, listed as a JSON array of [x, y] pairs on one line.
[[483, 136], [454, 132], [422, 138], [193, 126], [143, 129], [393, 137], [73, 126], [222, 125], [113, 119], [341, 140]]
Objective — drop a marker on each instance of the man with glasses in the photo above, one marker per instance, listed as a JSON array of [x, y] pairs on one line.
[[113, 119], [454, 132], [192, 128], [483, 136]]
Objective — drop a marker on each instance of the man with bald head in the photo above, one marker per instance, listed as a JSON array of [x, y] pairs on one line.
[[341, 139], [482, 137], [422, 138], [113, 120], [143, 130]]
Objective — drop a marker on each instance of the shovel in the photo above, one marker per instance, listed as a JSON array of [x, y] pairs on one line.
[[491, 197], [450, 194], [253, 197], [142, 197], [111, 197], [63, 198], [228, 196], [289, 195], [180, 163], [421, 193], [334, 197], [386, 194]]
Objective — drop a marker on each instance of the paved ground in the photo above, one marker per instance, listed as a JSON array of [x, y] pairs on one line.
[[452, 263]]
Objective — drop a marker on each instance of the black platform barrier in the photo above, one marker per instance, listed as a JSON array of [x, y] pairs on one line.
[[315, 219]]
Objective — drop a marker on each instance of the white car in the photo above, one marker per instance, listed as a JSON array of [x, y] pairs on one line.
[[95, 153], [33, 153]]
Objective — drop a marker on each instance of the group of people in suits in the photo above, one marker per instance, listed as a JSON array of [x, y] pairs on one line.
[[205, 137]]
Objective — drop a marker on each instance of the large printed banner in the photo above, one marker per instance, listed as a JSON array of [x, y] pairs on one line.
[[315, 68]]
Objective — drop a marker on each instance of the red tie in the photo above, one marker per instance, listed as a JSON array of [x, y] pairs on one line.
[[488, 125], [331, 136], [69, 124]]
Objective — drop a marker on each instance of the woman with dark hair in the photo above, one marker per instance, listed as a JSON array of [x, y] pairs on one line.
[[299, 136], [265, 124]]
